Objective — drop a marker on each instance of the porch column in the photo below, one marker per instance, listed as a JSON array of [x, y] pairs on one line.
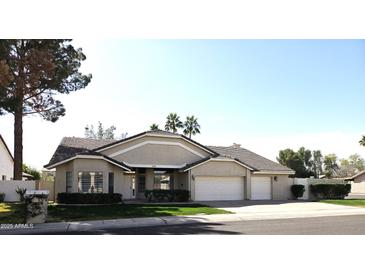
[[248, 185], [150, 176]]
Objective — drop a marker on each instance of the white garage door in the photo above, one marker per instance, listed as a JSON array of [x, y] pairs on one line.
[[260, 188], [218, 188]]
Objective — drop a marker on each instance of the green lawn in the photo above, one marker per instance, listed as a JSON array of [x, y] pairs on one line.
[[359, 203], [12, 213]]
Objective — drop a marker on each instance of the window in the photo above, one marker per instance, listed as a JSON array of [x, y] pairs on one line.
[[141, 183], [68, 181], [90, 182], [111, 182], [163, 180]]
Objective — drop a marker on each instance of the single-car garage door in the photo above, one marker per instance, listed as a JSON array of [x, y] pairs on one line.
[[218, 188], [260, 188]]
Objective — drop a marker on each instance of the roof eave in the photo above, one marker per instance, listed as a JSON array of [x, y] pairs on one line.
[[274, 172], [90, 156]]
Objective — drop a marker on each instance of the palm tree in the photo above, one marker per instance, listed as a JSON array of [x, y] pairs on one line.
[[173, 122], [330, 165], [154, 127], [191, 126], [362, 141]]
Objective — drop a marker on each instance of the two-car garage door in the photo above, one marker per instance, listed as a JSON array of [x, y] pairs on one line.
[[218, 188], [231, 188]]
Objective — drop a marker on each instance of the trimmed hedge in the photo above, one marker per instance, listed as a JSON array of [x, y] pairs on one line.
[[2, 197], [89, 198], [297, 190], [160, 195], [330, 191]]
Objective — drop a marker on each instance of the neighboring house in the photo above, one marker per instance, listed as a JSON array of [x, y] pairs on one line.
[[358, 178], [164, 160], [357, 184], [6, 161]]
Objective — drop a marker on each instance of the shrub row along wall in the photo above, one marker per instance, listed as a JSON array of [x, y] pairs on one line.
[[9, 187], [330, 191], [89, 198], [162, 195]]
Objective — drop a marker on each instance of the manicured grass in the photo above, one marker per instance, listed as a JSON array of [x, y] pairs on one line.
[[350, 202], [12, 213], [59, 213]]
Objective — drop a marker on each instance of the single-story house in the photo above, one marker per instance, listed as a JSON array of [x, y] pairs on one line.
[[165, 160], [358, 178], [6, 161]]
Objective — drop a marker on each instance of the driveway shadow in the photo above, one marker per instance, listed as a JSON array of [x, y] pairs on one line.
[[247, 203]]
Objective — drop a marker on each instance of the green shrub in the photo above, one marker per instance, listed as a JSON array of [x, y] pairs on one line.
[[181, 195], [297, 190], [148, 195], [2, 197], [164, 195], [89, 198], [330, 191]]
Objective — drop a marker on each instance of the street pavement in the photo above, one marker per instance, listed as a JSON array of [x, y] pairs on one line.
[[339, 225]]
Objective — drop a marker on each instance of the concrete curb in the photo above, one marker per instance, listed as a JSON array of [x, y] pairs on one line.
[[83, 226]]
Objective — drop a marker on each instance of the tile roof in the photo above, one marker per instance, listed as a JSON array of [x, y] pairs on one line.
[[70, 146], [250, 158]]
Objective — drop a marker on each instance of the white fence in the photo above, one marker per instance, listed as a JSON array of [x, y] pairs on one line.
[[9, 187], [306, 182]]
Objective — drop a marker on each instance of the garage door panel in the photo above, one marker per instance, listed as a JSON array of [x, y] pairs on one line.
[[261, 188], [218, 188]]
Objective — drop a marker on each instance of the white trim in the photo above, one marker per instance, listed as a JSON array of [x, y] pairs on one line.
[[155, 135], [219, 160], [119, 143], [155, 166], [87, 157], [155, 143], [273, 172]]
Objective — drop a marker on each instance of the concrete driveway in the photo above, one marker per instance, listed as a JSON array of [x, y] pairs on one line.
[[284, 209]]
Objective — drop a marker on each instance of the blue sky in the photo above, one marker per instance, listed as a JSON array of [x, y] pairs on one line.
[[265, 94]]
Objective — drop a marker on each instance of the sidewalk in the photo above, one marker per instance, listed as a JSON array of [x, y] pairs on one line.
[[69, 227]]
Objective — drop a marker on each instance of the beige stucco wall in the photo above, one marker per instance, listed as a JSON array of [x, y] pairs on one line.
[[60, 178], [157, 154], [219, 168], [121, 181], [281, 188]]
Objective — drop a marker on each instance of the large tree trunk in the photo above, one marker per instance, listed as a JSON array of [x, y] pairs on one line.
[[18, 119], [18, 144]]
